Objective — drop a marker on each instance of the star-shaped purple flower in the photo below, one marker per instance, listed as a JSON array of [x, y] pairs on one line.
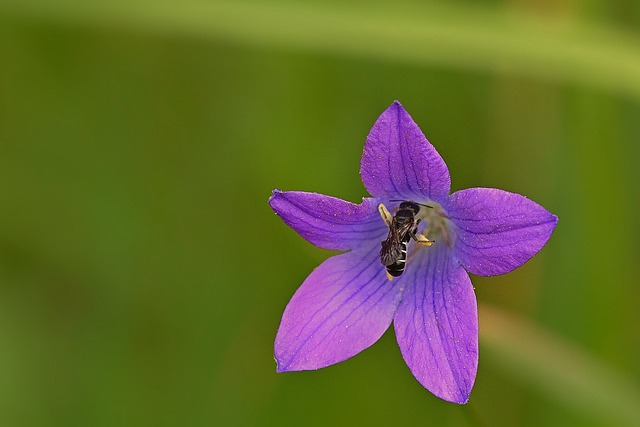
[[348, 302]]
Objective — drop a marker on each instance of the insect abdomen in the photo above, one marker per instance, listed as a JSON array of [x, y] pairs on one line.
[[397, 268]]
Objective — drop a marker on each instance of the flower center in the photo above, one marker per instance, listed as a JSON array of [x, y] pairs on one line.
[[413, 226], [436, 223]]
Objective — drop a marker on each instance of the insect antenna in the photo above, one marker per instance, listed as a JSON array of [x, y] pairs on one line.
[[421, 204]]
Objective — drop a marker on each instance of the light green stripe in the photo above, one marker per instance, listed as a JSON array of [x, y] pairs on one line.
[[561, 371], [463, 38]]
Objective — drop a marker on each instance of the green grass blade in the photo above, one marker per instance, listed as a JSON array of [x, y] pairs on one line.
[[453, 36], [558, 369]]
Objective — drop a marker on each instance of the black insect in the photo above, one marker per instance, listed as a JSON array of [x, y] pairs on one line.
[[403, 226]]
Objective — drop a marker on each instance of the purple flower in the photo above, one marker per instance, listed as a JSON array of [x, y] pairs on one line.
[[348, 302]]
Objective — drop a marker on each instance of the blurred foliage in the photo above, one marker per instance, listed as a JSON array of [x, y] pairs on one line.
[[142, 274]]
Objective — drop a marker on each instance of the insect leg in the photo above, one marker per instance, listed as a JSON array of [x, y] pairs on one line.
[[385, 214], [422, 240]]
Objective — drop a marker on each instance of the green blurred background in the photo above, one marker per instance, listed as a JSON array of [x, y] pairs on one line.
[[143, 275]]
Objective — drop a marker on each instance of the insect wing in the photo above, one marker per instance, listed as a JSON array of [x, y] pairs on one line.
[[391, 249], [403, 231]]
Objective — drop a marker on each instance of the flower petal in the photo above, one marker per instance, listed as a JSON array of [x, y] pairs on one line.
[[329, 222], [343, 307], [497, 231], [437, 324], [399, 163]]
